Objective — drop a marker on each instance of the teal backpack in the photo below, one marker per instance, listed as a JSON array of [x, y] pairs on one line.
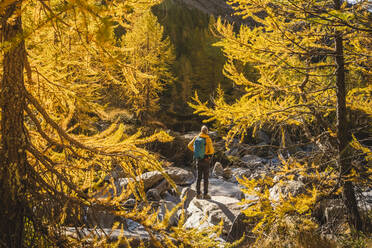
[[199, 147]]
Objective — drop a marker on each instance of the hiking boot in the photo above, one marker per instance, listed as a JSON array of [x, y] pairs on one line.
[[206, 197], [199, 196]]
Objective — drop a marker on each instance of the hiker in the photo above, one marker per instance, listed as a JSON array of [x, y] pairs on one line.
[[203, 149]]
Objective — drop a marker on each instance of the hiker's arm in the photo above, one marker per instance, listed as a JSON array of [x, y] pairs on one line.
[[209, 150], [191, 144]]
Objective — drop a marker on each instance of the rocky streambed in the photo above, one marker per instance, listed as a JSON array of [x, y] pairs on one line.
[[241, 160]]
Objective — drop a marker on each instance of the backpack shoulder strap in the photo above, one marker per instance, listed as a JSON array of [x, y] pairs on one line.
[[205, 140]]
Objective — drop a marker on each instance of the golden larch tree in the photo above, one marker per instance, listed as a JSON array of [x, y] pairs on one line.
[[152, 56], [56, 58]]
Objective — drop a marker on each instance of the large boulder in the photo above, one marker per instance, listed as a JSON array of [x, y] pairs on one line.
[[150, 179], [180, 176], [155, 178], [206, 213]]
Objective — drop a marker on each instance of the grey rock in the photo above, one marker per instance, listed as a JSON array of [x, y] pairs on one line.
[[153, 178], [206, 213], [330, 212], [180, 176], [163, 186], [188, 194], [133, 225], [252, 161], [227, 173], [217, 170], [283, 190], [367, 196], [149, 180], [365, 201], [171, 198], [153, 195], [303, 179]]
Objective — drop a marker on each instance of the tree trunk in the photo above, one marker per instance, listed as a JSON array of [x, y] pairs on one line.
[[343, 135], [13, 138]]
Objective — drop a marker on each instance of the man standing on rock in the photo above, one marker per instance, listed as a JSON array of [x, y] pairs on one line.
[[203, 149]]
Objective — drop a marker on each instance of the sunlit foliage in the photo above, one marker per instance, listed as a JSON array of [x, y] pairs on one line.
[[151, 56], [73, 51], [293, 48]]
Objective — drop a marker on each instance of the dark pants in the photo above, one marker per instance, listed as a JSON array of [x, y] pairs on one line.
[[202, 166]]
